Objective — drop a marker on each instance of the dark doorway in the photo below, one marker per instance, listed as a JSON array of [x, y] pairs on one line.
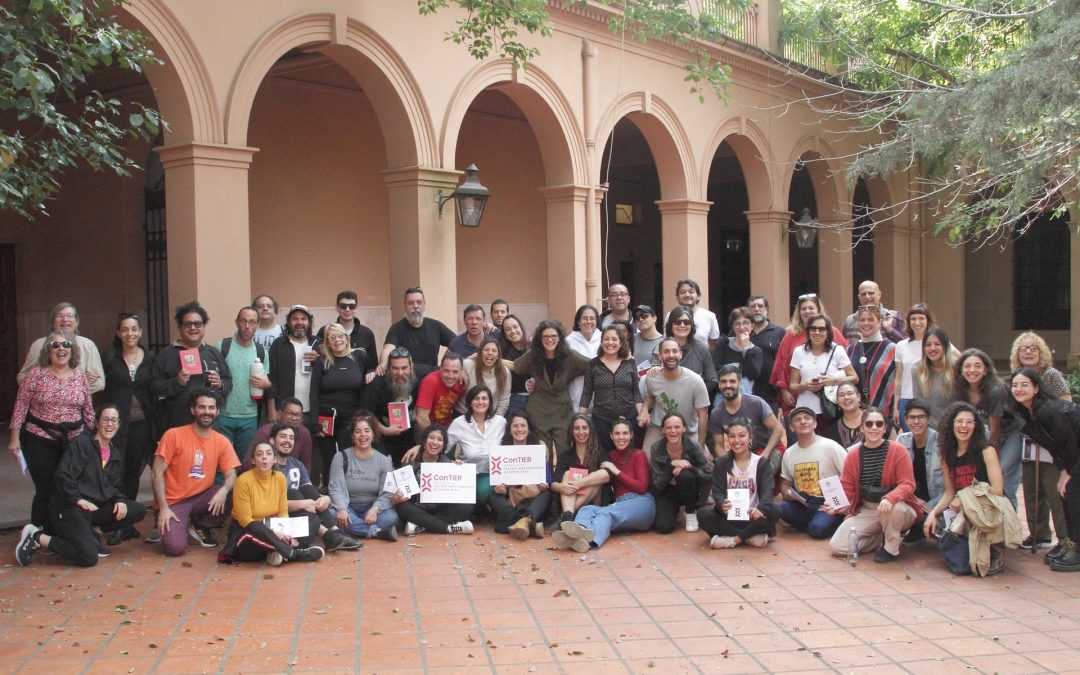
[[862, 238], [9, 331], [729, 235]]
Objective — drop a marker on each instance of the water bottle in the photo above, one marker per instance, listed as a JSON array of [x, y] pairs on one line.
[[257, 369], [853, 547], [305, 365]]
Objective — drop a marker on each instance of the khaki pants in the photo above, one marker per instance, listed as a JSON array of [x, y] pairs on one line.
[[870, 527]]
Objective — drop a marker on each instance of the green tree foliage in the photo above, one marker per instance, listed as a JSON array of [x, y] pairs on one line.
[[982, 97], [53, 119]]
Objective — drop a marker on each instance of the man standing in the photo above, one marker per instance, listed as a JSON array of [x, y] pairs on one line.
[[438, 392], [172, 383], [892, 324], [767, 429], [290, 412], [399, 385], [647, 338], [291, 356], [811, 460], [361, 339], [767, 336], [706, 327], [188, 456], [240, 417], [65, 318], [268, 329], [673, 389], [420, 335], [466, 344], [618, 299]]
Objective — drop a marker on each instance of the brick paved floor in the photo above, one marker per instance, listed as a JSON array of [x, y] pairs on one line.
[[644, 603]]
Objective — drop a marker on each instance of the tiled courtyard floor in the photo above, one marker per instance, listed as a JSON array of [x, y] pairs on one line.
[[644, 604]]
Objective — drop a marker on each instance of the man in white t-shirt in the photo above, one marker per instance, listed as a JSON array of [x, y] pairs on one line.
[[291, 356], [807, 462], [706, 326], [268, 329]]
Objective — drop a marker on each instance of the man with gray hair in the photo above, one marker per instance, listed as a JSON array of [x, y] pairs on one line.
[[65, 318]]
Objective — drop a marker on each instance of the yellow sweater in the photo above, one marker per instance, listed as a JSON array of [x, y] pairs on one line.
[[256, 496]]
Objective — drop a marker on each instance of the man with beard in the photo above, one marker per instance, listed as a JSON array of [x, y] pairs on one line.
[[361, 339], [399, 384], [187, 458], [240, 417], [304, 499], [766, 335], [65, 318], [291, 357], [618, 300], [673, 390], [767, 429], [171, 385], [291, 412], [438, 392], [420, 335]]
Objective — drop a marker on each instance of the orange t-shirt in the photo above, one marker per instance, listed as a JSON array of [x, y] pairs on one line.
[[192, 460]]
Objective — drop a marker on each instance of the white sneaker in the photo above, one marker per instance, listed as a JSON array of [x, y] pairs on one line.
[[722, 542], [274, 559], [691, 522], [412, 528], [758, 540], [576, 530], [464, 527]]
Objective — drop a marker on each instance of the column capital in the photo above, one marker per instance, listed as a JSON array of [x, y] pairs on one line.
[[421, 176], [687, 206], [206, 154], [565, 193], [768, 216]]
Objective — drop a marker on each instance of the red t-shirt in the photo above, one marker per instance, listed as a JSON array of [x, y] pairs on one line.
[[192, 460], [435, 396]]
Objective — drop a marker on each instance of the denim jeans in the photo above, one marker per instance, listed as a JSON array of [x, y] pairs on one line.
[[1009, 455], [631, 512], [357, 526], [818, 524]]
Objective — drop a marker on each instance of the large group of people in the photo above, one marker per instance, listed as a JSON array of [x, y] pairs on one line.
[[871, 434]]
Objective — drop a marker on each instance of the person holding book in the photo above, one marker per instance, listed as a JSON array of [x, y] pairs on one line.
[[574, 481], [806, 463], [391, 398], [337, 383], [432, 518]]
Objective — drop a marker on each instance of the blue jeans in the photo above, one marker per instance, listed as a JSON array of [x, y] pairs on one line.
[[818, 524], [357, 526], [903, 414], [1009, 456], [239, 431], [631, 512]]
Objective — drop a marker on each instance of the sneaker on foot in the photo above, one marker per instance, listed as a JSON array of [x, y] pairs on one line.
[[1056, 552], [351, 543], [563, 540], [520, 529], [116, 537], [576, 530], [334, 539], [997, 563], [102, 552], [131, 532], [758, 540], [27, 545], [722, 542], [691, 522], [202, 536], [883, 556], [153, 536], [274, 559], [384, 533], [311, 554], [412, 528], [1030, 542], [464, 527]]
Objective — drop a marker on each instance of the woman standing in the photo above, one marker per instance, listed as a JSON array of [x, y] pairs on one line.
[[127, 384], [474, 434], [966, 457], [847, 431], [87, 494], [357, 475], [933, 380], [433, 518], [611, 385], [552, 365], [585, 340], [872, 357], [1029, 350], [806, 307], [739, 350], [487, 368], [1050, 422], [908, 352], [740, 469], [679, 472], [695, 353], [520, 509], [513, 343], [337, 382], [578, 478], [52, 407], [819, 363]]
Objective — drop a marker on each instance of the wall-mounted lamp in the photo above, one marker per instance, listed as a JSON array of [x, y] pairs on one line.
[[470, 197], [805, 230]]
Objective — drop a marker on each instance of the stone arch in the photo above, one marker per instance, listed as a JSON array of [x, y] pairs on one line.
[[182, 85], [754, 153], [393, 92], [666, 137], [827, 178], [544, 105]]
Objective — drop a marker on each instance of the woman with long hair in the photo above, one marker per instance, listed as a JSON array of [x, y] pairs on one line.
[[611, 385], [819, 363], [487, 368], [933, 379], [806, 306], [337, 383], [552, 365], [433, 518], [873, 358], [519, 509], [578, 479], [357, 476], [908, 352], [513, 342]]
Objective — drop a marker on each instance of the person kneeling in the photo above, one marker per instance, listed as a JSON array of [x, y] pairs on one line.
[[679, 472], [740, 469], [260, 494]]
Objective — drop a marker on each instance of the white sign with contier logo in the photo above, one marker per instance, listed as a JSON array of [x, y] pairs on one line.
[[447, 483], [518, 465]]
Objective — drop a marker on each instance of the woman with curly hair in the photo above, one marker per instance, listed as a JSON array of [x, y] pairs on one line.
[[1029, 350], [552, 365]]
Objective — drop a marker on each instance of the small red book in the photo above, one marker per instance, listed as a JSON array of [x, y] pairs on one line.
[[398, 414], [326, 423], [574, 473], [190, 362]]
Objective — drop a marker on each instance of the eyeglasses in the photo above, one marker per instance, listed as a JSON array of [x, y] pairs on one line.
[[292, 413], [549, 337], [56, 344], [334, 337], [681, 322], [127, 315], [1027, 348], [109, 420], [346, 305], [917, 418], [618, 294], [868, 307], [874, 424], [192, 324]]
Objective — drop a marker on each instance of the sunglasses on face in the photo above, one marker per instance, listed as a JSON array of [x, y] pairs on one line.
[[874, 424], [346, 305], [681, 322], [191, 324], [60, 345]]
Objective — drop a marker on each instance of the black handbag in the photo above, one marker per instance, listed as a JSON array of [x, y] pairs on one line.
[[828, 406], [957, 554]]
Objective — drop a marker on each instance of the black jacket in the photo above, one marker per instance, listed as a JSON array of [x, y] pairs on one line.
[[79, 475], [120, 389], [283, 369], [1053, 425], [173, 407], [361, 339]]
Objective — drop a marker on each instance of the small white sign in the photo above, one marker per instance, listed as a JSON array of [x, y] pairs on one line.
[[740, 504], [833, 491], [447, 483], [518, 465], [402, 480], [294, 527]]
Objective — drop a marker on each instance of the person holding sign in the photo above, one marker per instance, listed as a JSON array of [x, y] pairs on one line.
[[473, 435], [879, 482], [679, 472], [434, 518], [357, 476], [519, 509], [743, 512], [805, 464], [260, 494], [634, 509], [579, 480]]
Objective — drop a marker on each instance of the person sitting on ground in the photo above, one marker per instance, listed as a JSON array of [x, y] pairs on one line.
[[879, 482], [579, 480], [921, 443], [740, 469], [810, 460], [433, 518], [679, 472], [259, 495], [87, 493], [520, 509], [472, 436], [847, 429], [634, 509], [357, 476]]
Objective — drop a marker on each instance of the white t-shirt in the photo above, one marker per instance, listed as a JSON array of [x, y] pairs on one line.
[[302, 375], [908, 353], [810, 366], [804, 467]]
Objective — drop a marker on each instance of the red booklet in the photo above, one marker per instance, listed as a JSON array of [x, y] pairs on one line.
[[398, 414], [574, 473], [326, 423], [190, 362]]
